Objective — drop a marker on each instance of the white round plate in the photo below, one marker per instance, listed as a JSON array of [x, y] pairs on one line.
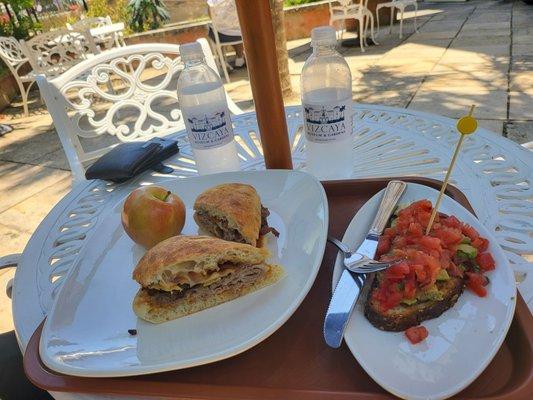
[[461, 342], [86, 333]]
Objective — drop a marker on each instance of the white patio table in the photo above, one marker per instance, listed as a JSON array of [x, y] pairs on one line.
[[111, 29], [493, 172]]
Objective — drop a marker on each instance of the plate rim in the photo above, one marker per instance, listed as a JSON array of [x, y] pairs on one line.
[[51, 363], [509, 316]]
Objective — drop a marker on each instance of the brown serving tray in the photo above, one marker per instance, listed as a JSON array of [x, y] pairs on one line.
[[295, 363]]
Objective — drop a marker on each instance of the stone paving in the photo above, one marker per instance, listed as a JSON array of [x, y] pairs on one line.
[[475, 52]]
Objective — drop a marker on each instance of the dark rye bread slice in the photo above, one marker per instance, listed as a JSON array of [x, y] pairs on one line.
[[402, 317]]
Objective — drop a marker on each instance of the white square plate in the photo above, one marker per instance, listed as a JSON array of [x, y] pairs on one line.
[[461, 342], [86, 333]]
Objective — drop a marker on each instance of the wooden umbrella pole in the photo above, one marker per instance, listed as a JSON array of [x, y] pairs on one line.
[[258, 36]]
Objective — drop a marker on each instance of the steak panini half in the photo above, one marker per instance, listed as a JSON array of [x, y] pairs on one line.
[[186, 274], [431, 271], [232, 211]]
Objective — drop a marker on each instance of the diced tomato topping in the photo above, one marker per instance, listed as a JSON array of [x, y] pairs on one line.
[[397, 271], [415, 229], [420, 258], [423, 218], [416, 334], [420, 272], [481, 244], [448, 235], [389, 232], [470, 232], [451, 222], [383, 245], [455, 271], [476, 282], [485, 261], [430, 243], [410, 287]]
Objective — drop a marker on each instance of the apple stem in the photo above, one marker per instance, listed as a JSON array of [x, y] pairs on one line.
[[168, 194]]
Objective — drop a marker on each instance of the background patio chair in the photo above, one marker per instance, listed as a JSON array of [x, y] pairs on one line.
[[401, 5], [90, 119], [218, 45], [347, 9], [54, 52], [13, 56], [107, 40]]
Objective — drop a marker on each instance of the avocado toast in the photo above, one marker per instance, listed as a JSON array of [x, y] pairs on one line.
[[430, 271]]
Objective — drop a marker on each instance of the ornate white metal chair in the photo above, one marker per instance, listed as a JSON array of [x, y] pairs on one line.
[[401, 5], [347, 9], [107, 40], [54, 52], [90, 119], [13, 56], [218, 44]]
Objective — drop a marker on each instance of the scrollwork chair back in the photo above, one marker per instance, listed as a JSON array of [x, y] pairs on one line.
[[13, 56], [90, 119], [54, 52]]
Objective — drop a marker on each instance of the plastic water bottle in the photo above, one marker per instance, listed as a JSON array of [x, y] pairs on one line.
[[326, 87], [205, 111]]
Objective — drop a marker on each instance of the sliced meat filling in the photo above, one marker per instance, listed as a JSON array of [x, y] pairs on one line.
[[264, 223], [219, 227], [242, 275]]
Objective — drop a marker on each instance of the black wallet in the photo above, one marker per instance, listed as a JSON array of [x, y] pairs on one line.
[[127, 160]]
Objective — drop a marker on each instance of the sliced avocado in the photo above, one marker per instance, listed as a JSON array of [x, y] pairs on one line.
[[468, 250], [443, 275], [462, 267], [409, 302], [429, 293], [393, 222], [466, 240]]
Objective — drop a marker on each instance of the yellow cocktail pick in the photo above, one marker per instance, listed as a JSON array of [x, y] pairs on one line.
[[466, 126]]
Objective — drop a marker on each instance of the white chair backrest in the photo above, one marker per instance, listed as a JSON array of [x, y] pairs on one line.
[[11, 52], [54, 52], [88, 23], [142, 103], [346, 4]]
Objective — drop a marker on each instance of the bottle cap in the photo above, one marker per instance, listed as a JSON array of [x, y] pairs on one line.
[[323, 35], [191, 51]]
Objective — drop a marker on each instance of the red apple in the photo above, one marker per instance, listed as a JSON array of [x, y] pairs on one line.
[[152, 214]]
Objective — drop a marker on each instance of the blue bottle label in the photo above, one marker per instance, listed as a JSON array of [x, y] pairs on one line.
[[209, 130], [326, 123]]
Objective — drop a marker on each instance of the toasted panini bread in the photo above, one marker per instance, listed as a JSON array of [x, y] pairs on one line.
[[404, 316]]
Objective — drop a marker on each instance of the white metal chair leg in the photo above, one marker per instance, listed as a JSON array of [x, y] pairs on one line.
[[391, 19], [222, 60], [371, 17], [361, 34], [377, 16], [416, 10], [401, 23], [24, 94]]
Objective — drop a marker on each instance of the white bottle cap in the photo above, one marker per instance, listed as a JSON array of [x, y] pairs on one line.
[[191, 51], [323, 35]]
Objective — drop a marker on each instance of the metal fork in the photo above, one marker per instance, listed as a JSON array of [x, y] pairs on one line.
[[356, 262]]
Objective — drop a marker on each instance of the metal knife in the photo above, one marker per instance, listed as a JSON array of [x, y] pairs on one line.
[[350, 284]]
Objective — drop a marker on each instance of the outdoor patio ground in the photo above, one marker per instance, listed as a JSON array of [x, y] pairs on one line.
[[478, 52]]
